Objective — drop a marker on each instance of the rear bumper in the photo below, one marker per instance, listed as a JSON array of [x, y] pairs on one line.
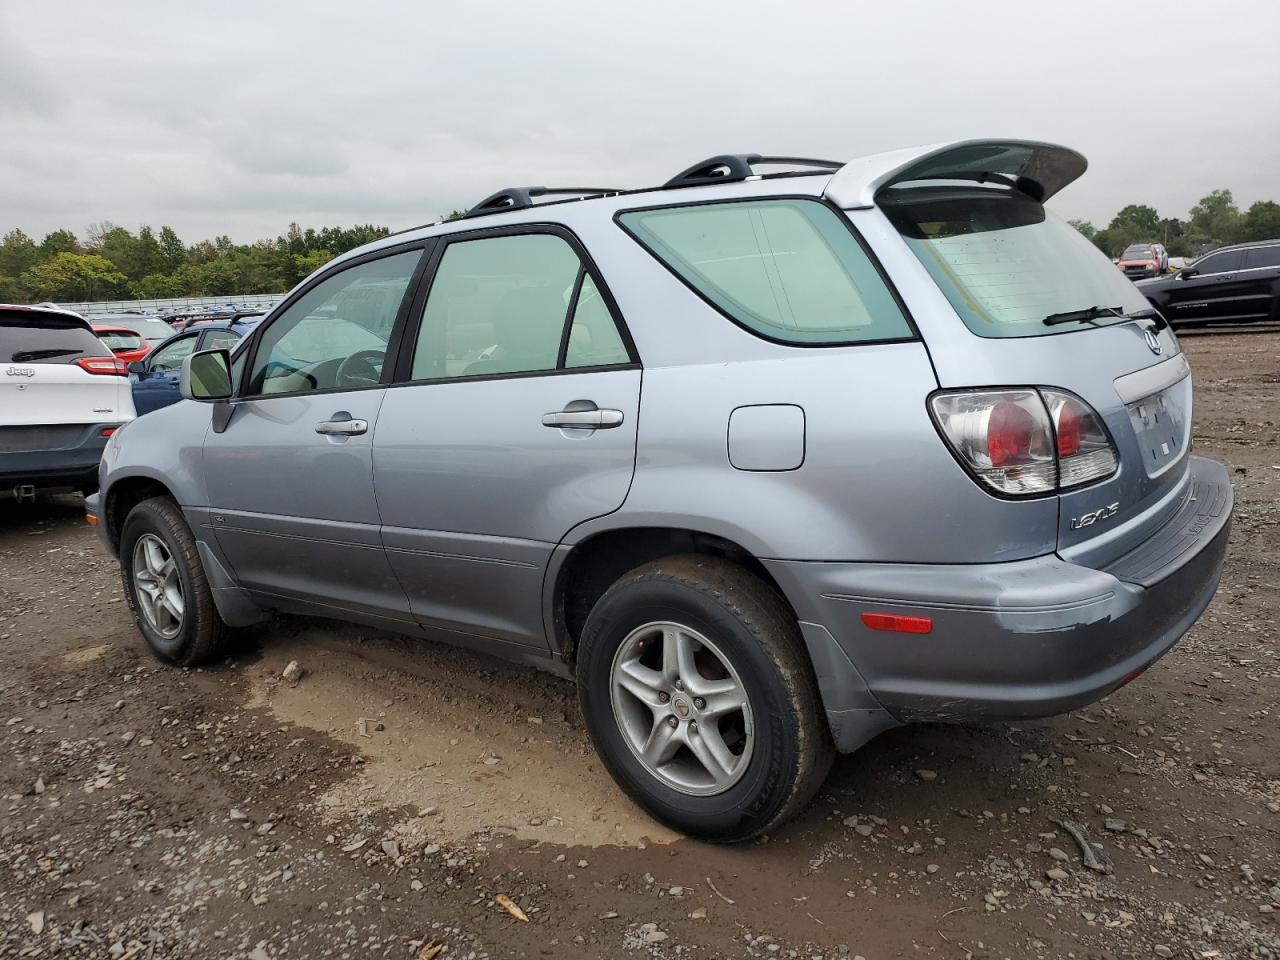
[[1030, 638], [74, 465]]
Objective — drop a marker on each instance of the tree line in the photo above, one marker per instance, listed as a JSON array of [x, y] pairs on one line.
[[113, 263], [1213, 222]]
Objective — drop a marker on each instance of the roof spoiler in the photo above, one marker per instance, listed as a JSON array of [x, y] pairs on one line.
[[1037, 169]]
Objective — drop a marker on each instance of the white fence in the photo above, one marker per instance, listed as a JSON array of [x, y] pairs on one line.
[[257, 300]]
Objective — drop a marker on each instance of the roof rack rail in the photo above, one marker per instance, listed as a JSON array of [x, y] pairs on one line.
[[737, 166], [518, 198]]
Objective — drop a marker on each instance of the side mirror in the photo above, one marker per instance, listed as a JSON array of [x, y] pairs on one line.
[[206, 376], [1187, 272], [138, 367]]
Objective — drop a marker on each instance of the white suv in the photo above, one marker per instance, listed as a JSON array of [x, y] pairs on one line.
[[62, 394]]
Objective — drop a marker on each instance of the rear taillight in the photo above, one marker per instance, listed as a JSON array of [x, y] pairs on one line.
[[1025, 442], [1003, 436], [1085, 452], [103, 366]]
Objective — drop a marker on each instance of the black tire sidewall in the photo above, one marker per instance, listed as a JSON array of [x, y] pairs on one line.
[[146, 518], [751, 803]]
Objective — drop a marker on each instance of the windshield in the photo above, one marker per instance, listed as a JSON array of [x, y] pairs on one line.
[[1004, 262], [120, 340], [1138, 253], [148, 327]]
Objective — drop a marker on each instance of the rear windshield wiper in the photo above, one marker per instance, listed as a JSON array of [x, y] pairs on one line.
[[28, 355], [1087, 315]]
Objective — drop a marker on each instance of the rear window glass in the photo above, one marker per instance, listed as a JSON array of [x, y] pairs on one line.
[[787, 269], [30, 338], [1005, 263], [150, 328], [121, 341]]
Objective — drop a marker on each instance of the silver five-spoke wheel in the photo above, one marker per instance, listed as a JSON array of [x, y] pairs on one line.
[[682, 708], [159, 590]]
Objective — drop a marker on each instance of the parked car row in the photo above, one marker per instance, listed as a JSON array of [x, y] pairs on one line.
[[67, 382], [63, 392]]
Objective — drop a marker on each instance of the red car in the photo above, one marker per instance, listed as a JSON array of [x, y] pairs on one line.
[[124, 344], [1142, 260]]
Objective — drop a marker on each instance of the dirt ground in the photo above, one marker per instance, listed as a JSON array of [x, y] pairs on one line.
[[378, 807]]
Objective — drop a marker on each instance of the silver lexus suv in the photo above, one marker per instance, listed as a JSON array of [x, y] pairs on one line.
[[767, 462]]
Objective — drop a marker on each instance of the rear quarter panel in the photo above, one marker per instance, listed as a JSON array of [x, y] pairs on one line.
[[876, 481]]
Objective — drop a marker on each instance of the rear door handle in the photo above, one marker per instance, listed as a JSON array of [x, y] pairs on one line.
[[587, 419], [342, 425]]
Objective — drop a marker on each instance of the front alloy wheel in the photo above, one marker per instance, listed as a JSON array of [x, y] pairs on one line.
[[166, 586], [159, 590], [682, 708]]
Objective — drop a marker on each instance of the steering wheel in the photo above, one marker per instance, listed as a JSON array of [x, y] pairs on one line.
[[362, 369]]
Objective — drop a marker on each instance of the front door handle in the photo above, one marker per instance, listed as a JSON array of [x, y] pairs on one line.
[[584, 419], [342, 425]]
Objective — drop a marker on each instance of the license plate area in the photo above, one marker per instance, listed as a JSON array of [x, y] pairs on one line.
[[1160, 426]]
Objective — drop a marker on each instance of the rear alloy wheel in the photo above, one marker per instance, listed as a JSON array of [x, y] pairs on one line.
[[700, 698], [682, 708]]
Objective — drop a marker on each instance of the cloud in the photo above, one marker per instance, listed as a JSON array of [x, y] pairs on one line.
[[25, 81], [237, 118]]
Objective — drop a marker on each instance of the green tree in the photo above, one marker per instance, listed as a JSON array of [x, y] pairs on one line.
[[1213, 221], [73, 276], [156, 286], [175, 254], [60, 241], [1136, 223], [18, 253], [305, 264], [1261, 222]]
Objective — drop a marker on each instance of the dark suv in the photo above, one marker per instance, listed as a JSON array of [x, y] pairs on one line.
[[1237, 284]]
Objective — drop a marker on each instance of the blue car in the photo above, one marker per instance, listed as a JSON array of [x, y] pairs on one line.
[[154, 379]]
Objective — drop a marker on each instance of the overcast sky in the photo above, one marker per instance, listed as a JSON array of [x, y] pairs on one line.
[[238, 118]]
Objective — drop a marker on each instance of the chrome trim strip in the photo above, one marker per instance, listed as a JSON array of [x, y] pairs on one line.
[[1132, 387]]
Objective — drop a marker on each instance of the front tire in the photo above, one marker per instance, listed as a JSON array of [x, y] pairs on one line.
[[701, 700], [165, 585]]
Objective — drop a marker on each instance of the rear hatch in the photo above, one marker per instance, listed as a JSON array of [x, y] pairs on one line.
[[977, 225], [55, 377]]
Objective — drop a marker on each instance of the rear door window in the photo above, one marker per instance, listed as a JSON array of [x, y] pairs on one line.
[[593, 334], [219, 340], [1263, 257], [514, 304], [786, 269], [121, 341], [27, 337]]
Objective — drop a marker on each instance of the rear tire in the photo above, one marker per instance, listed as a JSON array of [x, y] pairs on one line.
[[165, 585], [665, 656]]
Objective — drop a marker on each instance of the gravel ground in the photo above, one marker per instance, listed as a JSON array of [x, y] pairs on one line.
[[380, 806]]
